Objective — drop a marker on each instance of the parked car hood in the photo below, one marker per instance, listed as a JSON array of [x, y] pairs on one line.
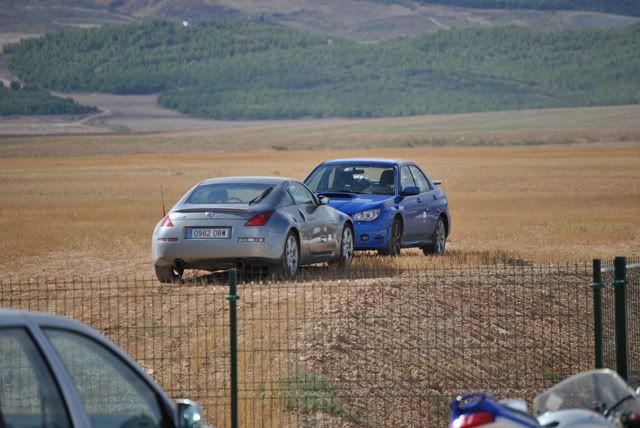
[[351, 203]]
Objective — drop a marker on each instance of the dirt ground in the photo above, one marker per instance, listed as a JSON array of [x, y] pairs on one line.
[[395, 348]]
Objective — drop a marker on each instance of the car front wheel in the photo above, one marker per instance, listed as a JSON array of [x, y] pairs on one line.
[[438, 240], [395, 240], [346, 247]]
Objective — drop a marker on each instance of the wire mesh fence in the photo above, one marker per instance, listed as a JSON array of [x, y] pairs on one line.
[[633, 319], [608, 315], [374, 346], [632, 312]]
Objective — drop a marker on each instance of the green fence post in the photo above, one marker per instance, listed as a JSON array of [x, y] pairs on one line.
[[596, 286], [620, 296], [233, 348]]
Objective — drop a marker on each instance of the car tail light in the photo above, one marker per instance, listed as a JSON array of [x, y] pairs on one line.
[[473, 420], [259, 219], [166, 221]]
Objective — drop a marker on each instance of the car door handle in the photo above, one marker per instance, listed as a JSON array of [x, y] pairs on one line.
[[419, 200], [435, 196]]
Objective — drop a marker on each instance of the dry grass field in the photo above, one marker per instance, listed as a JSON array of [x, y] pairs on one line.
[[93, 215]]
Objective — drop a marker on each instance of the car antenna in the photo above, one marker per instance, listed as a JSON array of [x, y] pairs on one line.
[[164, 213]]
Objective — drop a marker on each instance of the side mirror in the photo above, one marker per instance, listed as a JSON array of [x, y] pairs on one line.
[[411, 191], [190, 414], [436, 182], [323, 200], [638, 392]]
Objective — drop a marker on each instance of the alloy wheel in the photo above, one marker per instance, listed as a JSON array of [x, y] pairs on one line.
[[291, 255], [346, 252]]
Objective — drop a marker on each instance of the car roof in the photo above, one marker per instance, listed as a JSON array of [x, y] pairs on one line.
[[23, 317], [247, 179], [374, 161]]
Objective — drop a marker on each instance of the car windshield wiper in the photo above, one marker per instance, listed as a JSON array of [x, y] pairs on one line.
[[347, 191], [261, 196]]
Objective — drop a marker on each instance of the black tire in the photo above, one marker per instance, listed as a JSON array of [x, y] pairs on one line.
[[395, 240], [290, 259], [438, 240], [346, 248], [168, 274]]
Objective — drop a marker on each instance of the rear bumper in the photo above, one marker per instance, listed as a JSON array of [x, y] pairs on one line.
[[266, 249]]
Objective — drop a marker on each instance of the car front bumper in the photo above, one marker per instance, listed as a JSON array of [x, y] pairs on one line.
[[371, 235]]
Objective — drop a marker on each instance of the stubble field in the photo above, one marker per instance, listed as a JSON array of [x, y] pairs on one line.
[[530, 193], [92, 216]]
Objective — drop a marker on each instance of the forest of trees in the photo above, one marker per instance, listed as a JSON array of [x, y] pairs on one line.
[[620, 7], [242, 70], [28, 101]]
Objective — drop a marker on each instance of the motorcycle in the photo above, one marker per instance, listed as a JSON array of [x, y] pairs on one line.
[[592, 399]]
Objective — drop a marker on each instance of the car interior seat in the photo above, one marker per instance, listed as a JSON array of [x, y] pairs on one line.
[[343, 180], [217, 196], [387, 178]]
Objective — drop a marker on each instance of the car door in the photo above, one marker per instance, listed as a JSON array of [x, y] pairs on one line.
[[318, 233], [29, 395], [412, 207], [112, 392], [427, 203]]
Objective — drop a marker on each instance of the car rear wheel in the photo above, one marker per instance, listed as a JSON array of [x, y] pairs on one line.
[[290, 259], [346, 247], [395, 240], [438, 240], [167, 274]]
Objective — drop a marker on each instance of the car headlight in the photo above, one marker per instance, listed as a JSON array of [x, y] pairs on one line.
[[367, 215]]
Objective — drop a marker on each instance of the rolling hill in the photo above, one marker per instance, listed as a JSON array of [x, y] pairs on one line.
[[354, 19], [335, 90], [228, 69], [621, 7]]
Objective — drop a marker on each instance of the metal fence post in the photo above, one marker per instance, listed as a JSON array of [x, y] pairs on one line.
[[620, 289], [233, 348], [596, 286]]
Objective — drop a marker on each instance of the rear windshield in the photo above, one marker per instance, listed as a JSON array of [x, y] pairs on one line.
[[228, 193], [349, 178]]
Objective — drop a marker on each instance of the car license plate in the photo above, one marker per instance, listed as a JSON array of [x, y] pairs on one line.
[[208, 233]]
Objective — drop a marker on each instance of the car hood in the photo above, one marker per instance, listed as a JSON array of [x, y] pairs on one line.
[[351, 205]]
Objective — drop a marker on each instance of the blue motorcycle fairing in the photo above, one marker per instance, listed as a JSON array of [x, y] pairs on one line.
[[482, 402]]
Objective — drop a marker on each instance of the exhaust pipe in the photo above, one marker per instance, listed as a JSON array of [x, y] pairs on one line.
[[178, 266]]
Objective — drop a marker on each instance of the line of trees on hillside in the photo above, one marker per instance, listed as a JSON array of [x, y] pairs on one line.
[[242, 70], [621, 7], [16, 100]]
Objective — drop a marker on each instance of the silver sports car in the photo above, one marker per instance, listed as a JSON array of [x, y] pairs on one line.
[[256, 221]]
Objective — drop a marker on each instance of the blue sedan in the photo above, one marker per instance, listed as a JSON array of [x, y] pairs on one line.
[[394, 203]]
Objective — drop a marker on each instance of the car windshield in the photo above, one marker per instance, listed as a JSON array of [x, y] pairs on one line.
[[228, 193], [350, 178]]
